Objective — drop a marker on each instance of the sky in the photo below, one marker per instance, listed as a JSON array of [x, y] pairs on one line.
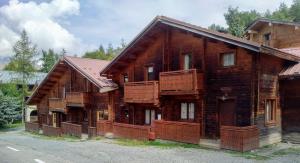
[[82, 25]]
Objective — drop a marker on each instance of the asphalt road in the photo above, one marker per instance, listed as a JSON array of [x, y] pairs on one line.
[[17, 147]]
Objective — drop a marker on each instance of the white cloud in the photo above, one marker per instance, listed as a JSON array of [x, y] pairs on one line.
[[41, 23]]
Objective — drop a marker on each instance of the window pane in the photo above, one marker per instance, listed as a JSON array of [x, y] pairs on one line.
[[183, 110], [147, 117], [187, 61], [125, 78], [228, 59], [270, 110], [191, 111], [150, 73], [150, 69], [152, 115]]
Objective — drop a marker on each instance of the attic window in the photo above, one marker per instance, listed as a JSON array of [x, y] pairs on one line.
[[267, 39]]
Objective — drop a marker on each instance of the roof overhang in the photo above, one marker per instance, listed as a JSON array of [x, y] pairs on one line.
[[186, 27], [253, 46], [270, 22], [64, 62]]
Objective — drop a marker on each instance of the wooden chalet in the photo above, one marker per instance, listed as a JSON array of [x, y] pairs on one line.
[[194, 85], [71, 97], [179, 82], [286, 37]]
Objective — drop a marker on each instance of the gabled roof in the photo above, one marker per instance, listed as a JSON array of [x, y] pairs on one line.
[[89, 68], [261, 21], [7, 77], [227, 38], [293, 70]]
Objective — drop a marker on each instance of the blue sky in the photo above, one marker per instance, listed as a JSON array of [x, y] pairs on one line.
[[82, 25]]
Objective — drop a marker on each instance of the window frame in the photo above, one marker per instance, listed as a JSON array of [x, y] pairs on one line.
[[188, 110], [221, 59], [267, 42], [102, 114], [146, 72], [274, 112], [190, 66], [125, 76]]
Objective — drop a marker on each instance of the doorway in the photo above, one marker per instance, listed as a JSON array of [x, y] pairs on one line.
[[227, 113]]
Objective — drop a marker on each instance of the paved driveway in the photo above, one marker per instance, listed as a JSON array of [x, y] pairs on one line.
[[17, 146]]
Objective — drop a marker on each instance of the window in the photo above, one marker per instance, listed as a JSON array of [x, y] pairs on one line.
[[125, 77], [149, 116], [270, 111], [150, 73], [187, 111], [267, 39], [54, 122], [227, 59], [187, 61], [102, 115]]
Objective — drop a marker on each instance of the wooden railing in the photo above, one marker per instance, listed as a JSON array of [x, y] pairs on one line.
[[141, 92], [51, 131], [104, 126], [32, 126], [239, 138], [92, 132], [72, 129], [57, 104], [177, 131], [180, 82], [130, 131], [76, 98]]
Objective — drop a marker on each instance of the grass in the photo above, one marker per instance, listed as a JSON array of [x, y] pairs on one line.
[[282, 152], [249, 155], [12, 126], [159, 144], [68, 138]]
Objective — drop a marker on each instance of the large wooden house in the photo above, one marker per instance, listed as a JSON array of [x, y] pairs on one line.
[[71, 97], [286, 37], [174, 81], [190, 84]]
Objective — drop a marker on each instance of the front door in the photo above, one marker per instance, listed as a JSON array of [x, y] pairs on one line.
[[227, 112]]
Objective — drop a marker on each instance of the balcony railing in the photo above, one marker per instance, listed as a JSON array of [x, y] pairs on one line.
[[76, 98], [57, 104], [180, 82], [141, 92]]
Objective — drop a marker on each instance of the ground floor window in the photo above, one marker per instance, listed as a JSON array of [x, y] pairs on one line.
[[54, 120], [187, 111], [149, 116], [270, 111], [102, 115]]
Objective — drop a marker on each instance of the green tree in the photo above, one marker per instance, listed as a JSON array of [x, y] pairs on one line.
[[105, 54], [23, 61], [295, 11], [9, 109], [282, 13], [49, 58], [10, 90], [218, 28], [237, 21]]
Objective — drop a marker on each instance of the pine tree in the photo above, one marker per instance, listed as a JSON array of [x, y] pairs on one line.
[[23, 61]]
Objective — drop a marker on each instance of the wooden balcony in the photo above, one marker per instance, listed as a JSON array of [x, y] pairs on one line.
[[141, 92], [180, 82], [57, 104], [76, 98]]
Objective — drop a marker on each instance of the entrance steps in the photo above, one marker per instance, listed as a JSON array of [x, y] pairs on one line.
[[84, 136], [291, 137], [210, 143]]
